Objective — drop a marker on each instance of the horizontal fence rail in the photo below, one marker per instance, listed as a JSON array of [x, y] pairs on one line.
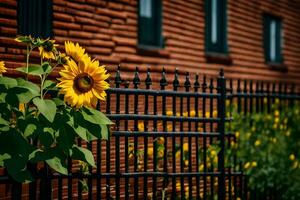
[[168, 142]]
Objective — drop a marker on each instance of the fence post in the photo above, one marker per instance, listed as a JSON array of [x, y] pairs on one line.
[[221, 129]]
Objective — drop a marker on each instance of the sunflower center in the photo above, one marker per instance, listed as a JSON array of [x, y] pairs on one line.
[[83, 82], [48, 46]]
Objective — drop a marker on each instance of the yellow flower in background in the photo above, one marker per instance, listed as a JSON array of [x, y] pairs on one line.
[[83, 84], [248, 135], [227, 102], [215, 113], [160, 140], [192, 113], [292, 157], [185, 114], [169, 113], [141, 127], [254, 164], [276, 120], [207, 114], [178, 187], [274, 140], [177, 154], [185, 147], [177, 114], [288, 133], [75, 51], [160, 153], [247, 165], [265, 100], [276, 101], [47, 50], [22, 107], [169, 127], [2, 67], [257, 143], [237, 134], [150, 151], [215, 160], [200, 113], [213, 153], [276, 113], [201, 168], [295, 164], [186, 163], [253, 129], [200, 129]]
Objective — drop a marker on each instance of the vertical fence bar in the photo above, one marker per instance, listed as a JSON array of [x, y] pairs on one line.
[[16, 191], [99, 157], [196, 87], [163, 84], [136, 82], [211, 124], [221, 130], [126, 143], [118, 81], [175, 86], [148, 82], [107, 186], [204, 87]]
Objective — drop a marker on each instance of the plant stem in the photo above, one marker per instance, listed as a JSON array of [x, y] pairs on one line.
[[28, 52]]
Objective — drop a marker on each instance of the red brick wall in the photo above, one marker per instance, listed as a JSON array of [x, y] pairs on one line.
[[108, 29]]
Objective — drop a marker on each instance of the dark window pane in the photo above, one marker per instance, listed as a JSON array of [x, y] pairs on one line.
[[150, 22], [35, 18], [215, 26]]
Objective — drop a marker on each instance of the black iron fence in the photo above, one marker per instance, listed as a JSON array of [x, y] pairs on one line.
[[168, 142]]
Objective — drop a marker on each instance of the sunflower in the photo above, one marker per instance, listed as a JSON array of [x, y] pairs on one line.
[[75, 51], [83, 83], [2, 67], [47, 49]]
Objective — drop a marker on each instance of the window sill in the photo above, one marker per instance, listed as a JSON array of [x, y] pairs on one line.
[[153, 51], [278, 67], [224, 59]]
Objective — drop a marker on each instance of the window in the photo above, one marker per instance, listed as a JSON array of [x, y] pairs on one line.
[[150, 22], [215, 26], [35, 18], [272, 39]]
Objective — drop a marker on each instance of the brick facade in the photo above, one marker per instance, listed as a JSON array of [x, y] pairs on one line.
[[108, 29]]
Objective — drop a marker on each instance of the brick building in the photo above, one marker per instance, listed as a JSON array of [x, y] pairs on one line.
[[249, 39]]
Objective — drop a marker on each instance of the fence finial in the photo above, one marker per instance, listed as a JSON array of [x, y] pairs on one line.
[[118, 79], [221, 72], [196, 83], [163, 80], [204, 84], [148, 80], [136, 79], [175, 81], [187, 82]]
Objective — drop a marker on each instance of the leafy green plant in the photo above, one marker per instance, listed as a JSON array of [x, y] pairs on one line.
[[269, 148], [41, 122]]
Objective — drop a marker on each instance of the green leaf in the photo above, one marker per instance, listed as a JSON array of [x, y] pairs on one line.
[[8, 82], [46, 139], [58, 102], [83, 154], [57, 164], [104, 132], [36, 70], [29, 130], [46, 107], [3, 157], [49, 84], [3, 122], [94, 116]]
